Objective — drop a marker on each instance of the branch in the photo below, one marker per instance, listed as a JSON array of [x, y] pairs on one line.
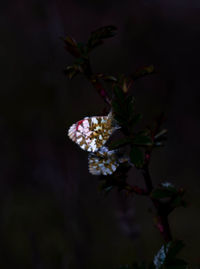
[[162, 209], [135, 189], [147, 178], [162, 214], [95, 82]]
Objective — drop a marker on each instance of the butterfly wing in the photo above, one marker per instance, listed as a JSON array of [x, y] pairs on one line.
[[91, 133], [103, 162]]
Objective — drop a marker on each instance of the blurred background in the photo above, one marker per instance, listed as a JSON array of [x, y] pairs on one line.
[[52, 212]]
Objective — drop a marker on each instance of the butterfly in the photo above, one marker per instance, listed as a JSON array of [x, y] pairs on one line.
[[105, 161], [92, 133]]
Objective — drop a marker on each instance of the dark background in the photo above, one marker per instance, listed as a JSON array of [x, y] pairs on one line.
[[52, 213]]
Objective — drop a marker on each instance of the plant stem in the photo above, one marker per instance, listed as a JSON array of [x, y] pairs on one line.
[[135, 189], [162, 211], [95, 82], [165, 228], [147, 178]]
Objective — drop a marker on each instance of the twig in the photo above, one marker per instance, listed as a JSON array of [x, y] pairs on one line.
[[162, 209], [95, 82], [162, 212], [135, 189]]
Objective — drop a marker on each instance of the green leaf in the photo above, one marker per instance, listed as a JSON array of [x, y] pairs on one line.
[[72, 70], [135, 119], [161, 135], [142, 140], [83, 49], [104, 32], [71, 46], [162, 193], [130, 105], [117, 109], [119, 94], [175, 248], [178, 201], [143, 72], [167, 190], [79, 61], [98, 35], [123, 108], [136, 156], [119, 106], [108, 189], [109, 78], [119, 143], [106, 185]]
